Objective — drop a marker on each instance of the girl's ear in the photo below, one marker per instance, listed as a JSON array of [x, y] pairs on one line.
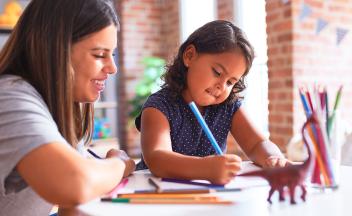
[[189, 54]]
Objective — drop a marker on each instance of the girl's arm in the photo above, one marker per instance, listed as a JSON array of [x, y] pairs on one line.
[[259, 149], [61, 176], [163, 162]]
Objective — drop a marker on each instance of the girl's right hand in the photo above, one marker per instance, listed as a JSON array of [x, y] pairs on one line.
[[130, 164], [222, 168]]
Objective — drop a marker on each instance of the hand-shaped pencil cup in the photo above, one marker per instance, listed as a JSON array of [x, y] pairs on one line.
[[324, 136]]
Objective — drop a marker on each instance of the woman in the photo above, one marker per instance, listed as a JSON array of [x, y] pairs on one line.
[[52, 68]]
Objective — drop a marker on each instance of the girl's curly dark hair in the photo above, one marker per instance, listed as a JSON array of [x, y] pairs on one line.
[[214, 37]]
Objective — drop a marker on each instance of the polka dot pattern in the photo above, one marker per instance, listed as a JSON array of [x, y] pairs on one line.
[[186, 134]]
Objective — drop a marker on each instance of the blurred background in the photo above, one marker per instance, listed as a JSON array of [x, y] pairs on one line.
[[297, 43]]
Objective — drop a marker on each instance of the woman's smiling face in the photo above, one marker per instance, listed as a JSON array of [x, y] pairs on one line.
[[92, 62]]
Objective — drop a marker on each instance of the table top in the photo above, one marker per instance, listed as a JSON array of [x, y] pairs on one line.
[[249, 201]]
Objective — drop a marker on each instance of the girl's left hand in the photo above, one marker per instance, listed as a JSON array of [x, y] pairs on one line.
[[276, 161]]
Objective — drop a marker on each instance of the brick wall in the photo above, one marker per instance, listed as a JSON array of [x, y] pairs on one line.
[[170, 29], [149, 28], [298, 55], [279, 28]]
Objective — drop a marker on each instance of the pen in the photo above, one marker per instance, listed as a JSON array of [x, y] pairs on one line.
[[205, 127], [94, 154], [176, 191]]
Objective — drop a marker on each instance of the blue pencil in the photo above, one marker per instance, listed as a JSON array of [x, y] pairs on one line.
[[305, 104], [205, 127]]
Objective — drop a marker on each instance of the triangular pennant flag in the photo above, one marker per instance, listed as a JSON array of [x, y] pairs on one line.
[[305, 11], [321, 24], [285, 1], [340, 34]]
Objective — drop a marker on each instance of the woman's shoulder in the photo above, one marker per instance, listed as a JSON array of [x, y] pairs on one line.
[[15, 92], [13, 83], [11, 80]]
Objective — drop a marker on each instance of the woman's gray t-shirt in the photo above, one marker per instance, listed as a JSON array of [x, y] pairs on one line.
[[25, 124]]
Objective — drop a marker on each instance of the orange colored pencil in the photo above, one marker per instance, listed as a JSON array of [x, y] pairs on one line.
[[318, 157], [169, 196], [165, 201]]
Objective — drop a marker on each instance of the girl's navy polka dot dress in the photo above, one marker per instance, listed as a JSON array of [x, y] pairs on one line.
[[186, 134]]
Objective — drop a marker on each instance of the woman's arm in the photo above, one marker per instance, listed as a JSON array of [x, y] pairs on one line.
[[259, 149], [163, 162], [61, 176]]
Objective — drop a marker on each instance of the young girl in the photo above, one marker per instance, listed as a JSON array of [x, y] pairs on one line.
[[52, 68], [209, 69]]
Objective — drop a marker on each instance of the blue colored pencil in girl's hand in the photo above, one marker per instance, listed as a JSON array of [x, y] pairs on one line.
[[205, 127]]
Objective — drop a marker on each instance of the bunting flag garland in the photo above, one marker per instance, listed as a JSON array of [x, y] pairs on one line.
[[340, 34], [321, 24], [305, 11]]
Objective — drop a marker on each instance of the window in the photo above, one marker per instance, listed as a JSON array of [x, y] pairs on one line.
[[252, 21], [193, 16]]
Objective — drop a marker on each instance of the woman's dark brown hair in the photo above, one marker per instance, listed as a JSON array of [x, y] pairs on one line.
[[214, 37], [38, 50]]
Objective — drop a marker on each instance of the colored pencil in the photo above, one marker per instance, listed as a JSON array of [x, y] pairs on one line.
[[205, 127], [326, 110], [190, 191], [318, 155], [338, 97], [182, 181], [304, 103], [169, 196], [116, 190], [164, 201], [332, 117], [176, 191]]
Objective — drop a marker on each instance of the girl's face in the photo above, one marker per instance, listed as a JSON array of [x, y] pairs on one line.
[[211, 77], [92, 62]]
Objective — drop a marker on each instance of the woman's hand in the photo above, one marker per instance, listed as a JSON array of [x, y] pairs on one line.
[[276, 161], [222, 168], [130, 164]]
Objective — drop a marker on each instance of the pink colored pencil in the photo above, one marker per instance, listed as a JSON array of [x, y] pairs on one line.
[[118, 187]]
